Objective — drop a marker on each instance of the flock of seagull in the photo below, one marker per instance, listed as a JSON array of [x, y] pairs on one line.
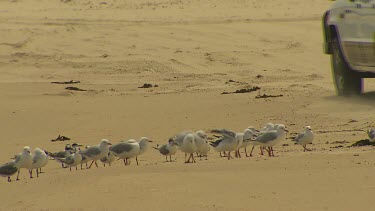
[[189, 142]]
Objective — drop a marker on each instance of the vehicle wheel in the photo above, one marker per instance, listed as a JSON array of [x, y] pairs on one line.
[[347, 82]]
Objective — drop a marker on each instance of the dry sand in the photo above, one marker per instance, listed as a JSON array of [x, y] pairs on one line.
[[190, 49]]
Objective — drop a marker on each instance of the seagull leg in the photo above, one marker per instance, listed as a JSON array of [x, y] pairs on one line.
[[261, 150], [91, 163], [220, 154], [170, 158], [96, 164], [70, 168], [246, 152], [37, 173], [229, 155], [9, 180], [200, 157], [188, 161], [192, 156], [273, 155], [125, 162], [136, 159], [76, 168], [18, 175], [81, 166], [269, 151], [251, 153], [185, 158], [31, 173], [239, 154], [206, 157]]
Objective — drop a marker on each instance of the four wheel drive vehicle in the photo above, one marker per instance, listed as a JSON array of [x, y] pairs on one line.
[[349, 36]]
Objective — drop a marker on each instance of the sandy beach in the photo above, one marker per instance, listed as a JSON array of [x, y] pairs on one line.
[[191, 52]]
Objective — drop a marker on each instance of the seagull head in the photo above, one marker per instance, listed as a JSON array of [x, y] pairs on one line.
[[145, 139], [308, 128], [189, 138], [201, 134], [26, 149], [281, 127], [105, 142]]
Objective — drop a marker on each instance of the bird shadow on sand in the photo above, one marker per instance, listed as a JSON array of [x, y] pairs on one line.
[[367, 98]]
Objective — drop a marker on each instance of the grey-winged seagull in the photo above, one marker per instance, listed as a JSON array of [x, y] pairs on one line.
[[94, 153], [229, 141], [304, 138], [8, 170], [73, 160], [271, 138], [168, 149]]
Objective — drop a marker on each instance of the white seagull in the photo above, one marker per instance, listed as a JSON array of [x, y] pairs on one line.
[[24, 160], [109, 158], [189, 147], [304, 138], [248, 135], [143, 146], [203, 147], [371, 134], [40, 160]]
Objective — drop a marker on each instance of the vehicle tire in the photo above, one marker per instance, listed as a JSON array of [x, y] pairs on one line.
[[347, 82]]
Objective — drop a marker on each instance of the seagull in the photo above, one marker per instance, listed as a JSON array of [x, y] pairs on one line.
[[125, 150], [271, 138], [40, 160], [73, 160], [189, 147], [229, 141], [60, 154], [108, 158], [203, 147], [8, 169], [304, 138], [168, 149], [94, 153], [371, 134], [143, 146], [24, 160], [248, 135], [269, 126]]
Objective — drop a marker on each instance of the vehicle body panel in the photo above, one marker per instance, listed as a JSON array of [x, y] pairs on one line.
[[353, 22]]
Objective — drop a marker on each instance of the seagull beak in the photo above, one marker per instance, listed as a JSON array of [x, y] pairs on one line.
[[150, 141], [286, 130], [109, 144]]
